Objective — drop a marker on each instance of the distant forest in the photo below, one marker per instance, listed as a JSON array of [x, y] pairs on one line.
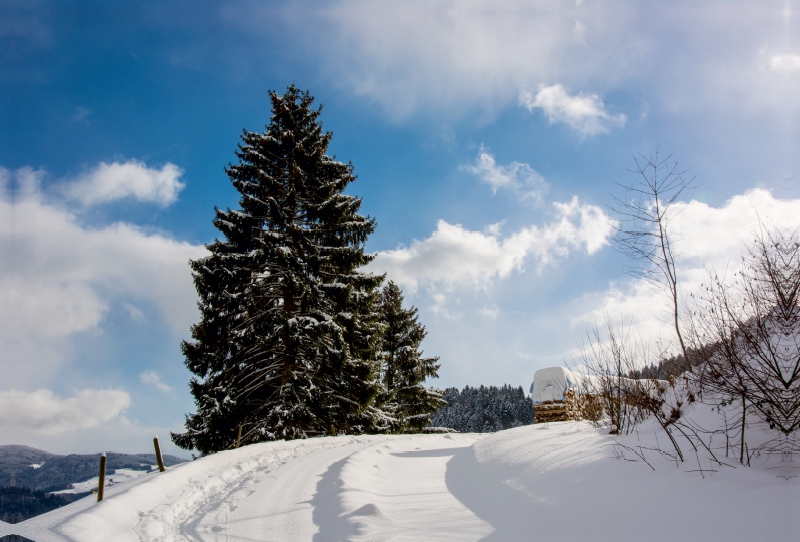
[[20, 503], [484, 409]]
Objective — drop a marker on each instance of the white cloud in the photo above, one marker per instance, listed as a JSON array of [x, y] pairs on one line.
[[42, 412], [151, 378], [584, 113], [59, 277], [132, 179], [517, 177], [454, 256], [785, 63]]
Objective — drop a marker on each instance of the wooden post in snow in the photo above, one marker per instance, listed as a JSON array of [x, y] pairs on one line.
[[239, 437], [159, 459], [101, 478]]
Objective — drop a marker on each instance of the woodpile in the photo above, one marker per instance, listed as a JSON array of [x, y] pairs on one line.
[[554, 411], [574, 407]]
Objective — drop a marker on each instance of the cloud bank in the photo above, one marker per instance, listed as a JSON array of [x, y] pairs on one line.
[[455, 56], [411, 55], [43, 412], [456, 257], [59, 277]]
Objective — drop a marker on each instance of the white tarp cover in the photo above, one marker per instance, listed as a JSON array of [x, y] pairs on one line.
[[551, 383]]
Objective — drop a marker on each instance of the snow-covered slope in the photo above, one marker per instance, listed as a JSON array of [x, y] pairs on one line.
[[567, 481], [564, 481]]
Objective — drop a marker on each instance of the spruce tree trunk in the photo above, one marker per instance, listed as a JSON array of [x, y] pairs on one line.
[[288, 310]]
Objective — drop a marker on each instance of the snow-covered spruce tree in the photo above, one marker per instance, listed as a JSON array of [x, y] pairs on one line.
[[405, 400], [288, 341], [218, 348]]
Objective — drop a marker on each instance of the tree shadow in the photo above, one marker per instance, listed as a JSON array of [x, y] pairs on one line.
[[482, 489], [327, 512]]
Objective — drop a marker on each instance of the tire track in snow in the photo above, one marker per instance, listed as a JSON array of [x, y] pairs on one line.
[[211, 498], [279, 503]]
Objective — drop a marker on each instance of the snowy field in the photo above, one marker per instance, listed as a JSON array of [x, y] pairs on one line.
[[561, 481]]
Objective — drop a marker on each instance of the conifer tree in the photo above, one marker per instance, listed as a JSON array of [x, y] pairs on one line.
[[218, 348], [288, 340], [403, 369]]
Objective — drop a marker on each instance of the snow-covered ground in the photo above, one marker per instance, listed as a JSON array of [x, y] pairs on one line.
[[564, 481]]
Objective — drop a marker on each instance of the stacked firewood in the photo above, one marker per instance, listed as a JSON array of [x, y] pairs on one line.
[[554, 411], [573, 407]]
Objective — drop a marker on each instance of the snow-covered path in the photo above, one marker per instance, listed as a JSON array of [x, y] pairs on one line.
[[329, 491], [323, 489], [565, 481]]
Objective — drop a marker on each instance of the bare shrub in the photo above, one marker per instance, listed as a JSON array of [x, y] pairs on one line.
[[737, 346], [747, 335], [609, 357]]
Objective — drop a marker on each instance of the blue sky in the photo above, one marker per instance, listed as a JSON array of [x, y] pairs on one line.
[[487, 138]]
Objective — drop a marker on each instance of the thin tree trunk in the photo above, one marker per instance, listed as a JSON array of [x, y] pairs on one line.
[[744, 414]]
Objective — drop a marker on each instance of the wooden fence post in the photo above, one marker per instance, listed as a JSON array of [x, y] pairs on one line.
[[101, 478], [239, 437], [159, 459]]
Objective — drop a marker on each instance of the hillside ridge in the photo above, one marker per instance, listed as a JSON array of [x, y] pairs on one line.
[[56, 472]]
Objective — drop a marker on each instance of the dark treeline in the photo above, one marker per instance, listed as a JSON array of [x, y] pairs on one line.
[[484, 409], [20, 503]]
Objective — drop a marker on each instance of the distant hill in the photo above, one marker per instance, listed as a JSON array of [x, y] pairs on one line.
[[57, 472]]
